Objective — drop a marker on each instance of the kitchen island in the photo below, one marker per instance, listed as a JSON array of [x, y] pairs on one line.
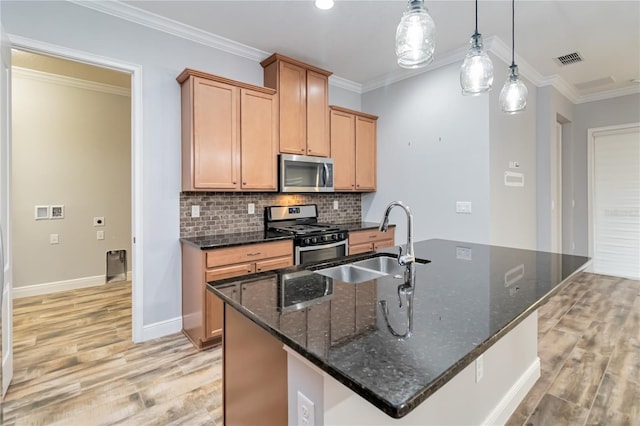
[[462, 348]]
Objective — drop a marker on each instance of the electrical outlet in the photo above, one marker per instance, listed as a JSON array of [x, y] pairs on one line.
[[463, 207], [306, 415], [54, 239], [100, 235], [251, 208], [479, 368], [335, 205], [195, 211], [98, 221]]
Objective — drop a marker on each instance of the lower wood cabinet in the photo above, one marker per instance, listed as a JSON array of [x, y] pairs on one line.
[[370, 240], [202, 317]]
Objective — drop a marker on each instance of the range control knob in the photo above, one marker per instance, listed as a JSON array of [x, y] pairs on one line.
[[306, 241], [314, 240]]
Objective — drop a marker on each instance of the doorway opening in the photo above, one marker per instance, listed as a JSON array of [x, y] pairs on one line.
[[135, 72]]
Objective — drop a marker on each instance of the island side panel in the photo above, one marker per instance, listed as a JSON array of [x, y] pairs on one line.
[[255, 374]]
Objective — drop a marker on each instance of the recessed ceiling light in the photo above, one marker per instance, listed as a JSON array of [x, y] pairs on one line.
[[324, 4]]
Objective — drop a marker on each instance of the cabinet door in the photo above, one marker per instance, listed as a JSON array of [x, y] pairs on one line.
[[216, 143], [213, 316], [343, 150], [343, 313], [293, 108], [259, 124], [365, 154], [366, 299], [318, 115]]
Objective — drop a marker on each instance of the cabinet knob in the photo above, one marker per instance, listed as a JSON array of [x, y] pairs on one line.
[[302, 150], [358, 186], [259, 269], [244, 183], [309, 150], [234, 182]]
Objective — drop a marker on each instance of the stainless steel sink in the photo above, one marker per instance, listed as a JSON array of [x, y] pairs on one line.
[[365, 270], [350, 274], [383, 264]]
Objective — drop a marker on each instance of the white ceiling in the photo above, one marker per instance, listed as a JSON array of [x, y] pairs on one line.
[[355, 39]]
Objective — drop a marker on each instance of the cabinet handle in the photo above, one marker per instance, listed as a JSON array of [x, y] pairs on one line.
[[253, 254], [372, 236]]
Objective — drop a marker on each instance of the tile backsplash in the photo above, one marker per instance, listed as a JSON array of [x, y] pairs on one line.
[[226, 212]]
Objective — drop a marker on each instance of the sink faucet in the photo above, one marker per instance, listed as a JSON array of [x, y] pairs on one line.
[[408, 257], [405, 290]]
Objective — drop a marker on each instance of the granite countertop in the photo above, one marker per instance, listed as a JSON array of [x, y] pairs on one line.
[[464, 300], [228, 240], [208, 242]]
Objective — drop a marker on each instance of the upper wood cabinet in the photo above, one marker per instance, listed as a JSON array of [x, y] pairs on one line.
[[303, 92], [353, 149], [229, 134]]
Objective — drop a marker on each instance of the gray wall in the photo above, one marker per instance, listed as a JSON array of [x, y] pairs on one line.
[[608, 112], [344, 98], [433, 150], [78, 155], [552, 106], [512, 138]]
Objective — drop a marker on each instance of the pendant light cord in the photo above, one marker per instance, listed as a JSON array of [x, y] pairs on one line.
[[513, 36], [476, 17]]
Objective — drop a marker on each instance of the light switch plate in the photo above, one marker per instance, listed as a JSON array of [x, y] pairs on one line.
[[463, 207], [54, 239], [336, 205], [100, 235]]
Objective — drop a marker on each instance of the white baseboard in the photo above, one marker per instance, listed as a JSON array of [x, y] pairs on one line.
[[505, 408], [56, 286], [161, 328]]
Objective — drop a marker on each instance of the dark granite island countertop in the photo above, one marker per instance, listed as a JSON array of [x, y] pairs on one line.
[[466, 299]]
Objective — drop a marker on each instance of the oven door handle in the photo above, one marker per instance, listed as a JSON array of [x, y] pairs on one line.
[[323, 246]]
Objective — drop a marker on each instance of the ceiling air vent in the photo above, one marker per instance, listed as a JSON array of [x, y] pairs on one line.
[[568, 59]]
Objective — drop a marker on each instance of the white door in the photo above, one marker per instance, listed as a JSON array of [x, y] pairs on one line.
[[616, 202], [556, 191], [5, 231]]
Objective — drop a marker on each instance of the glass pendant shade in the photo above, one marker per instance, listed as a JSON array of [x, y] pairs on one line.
[[513, 97], [476, 74], [415, 36]]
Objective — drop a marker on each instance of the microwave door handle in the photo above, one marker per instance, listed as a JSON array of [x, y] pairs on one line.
[[325, 175]]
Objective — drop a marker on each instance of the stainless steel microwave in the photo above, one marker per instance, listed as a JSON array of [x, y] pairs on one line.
[[301, 173]]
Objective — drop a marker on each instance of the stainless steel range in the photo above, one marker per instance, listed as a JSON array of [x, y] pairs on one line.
[[313, 241]]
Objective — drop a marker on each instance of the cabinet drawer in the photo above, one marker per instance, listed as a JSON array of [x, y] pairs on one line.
[[370, 236], [360, 248], [248, 253], [383, 244], [230, 271], [271, 264]]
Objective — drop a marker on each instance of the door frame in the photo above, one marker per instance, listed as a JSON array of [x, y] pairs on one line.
[[556, 191], [592, 133], [136, 158]]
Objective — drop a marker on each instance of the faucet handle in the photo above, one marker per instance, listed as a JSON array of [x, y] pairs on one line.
[[400, 256]]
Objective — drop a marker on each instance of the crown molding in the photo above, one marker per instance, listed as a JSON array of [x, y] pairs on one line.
[[343, 83], [64, 80], [402, 74], [614, 93], [169, 26]]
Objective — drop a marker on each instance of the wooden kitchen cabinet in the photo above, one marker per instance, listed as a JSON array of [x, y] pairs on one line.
[[229, 134], [353, 149], [303, 93], [370, 240], [202, 312]]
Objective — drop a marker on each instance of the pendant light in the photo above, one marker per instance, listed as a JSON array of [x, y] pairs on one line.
[[415, 36], [513, 97], [476, 74]]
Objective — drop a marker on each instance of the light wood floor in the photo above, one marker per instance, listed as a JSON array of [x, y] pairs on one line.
[[589, 349], [75, 363]]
